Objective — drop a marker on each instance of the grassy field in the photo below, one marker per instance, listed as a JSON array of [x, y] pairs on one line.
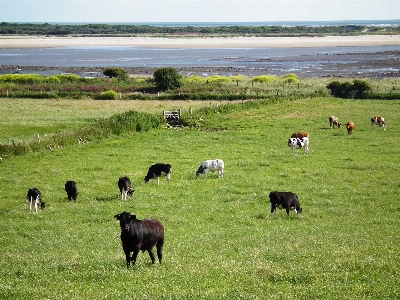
[[221, 242]]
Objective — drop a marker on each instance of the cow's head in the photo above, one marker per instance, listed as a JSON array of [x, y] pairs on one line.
[[338, 125], [125, 219], [42, 204], [130, 192], [200, 171]]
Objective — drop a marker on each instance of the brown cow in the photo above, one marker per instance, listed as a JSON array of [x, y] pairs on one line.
[[378, 121], [300, 135], [334, 121], [350, 127]]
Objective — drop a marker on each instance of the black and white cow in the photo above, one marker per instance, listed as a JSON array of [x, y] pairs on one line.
[[211, 166], [284, 200], [158, 170], [139, 235], [125, 187], [296, 143], [380, 121], [34, 197], [72, 190]]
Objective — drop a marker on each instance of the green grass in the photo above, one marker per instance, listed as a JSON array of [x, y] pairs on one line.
[[221, 242]]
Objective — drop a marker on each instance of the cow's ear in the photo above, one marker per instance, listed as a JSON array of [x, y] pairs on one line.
[[117, 217], [133, 217]]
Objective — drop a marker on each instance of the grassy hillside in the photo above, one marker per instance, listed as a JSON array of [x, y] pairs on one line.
[[221, 242]]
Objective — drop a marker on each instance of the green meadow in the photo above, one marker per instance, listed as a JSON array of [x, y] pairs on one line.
[[220, 240]]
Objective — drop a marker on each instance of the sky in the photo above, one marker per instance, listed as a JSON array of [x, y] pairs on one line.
[[146, 11]]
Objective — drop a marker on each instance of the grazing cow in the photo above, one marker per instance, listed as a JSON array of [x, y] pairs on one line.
[[157, 171], [72, 190], [140, 235], [350, 127], [295, 143], [284, 200], [334, 121], [211, 166], [300, 135], [125, 187], [378, 121], [34, 197]]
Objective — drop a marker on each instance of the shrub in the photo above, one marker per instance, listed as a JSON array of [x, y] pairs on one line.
[[361, 89], [290, 78], [118, 73], [107, 95], [167, 78], [358, 89], [263, 78]]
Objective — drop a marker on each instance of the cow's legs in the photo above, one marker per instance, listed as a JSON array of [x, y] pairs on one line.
[[273, 209], [128, 259], [152, 257], [134, 256], [287, 210], [159, 252]]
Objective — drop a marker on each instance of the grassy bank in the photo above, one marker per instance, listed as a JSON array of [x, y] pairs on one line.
[[221, 242], [216, 87]]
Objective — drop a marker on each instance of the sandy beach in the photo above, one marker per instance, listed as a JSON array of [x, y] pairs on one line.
[[207, 42]]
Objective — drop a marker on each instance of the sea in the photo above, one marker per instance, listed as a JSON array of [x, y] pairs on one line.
[[289, 59]]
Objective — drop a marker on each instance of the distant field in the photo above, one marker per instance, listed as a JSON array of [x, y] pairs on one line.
[[221, 242], [25, 119]]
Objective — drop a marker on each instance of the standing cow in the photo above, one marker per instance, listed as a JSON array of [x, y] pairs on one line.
[[296, 143], [284, 200], [34, 197], [158, 170], [139, 235], [334, 121], [378, 121], [300, 135], [211, 166], [125, 187], [350, 127], [72, 190]]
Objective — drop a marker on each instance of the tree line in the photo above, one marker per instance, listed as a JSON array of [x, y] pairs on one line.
[[133, 30]]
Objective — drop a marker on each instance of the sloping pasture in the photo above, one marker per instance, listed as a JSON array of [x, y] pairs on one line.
[[221, 242]]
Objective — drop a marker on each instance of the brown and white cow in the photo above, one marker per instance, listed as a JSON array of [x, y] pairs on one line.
[[350, 127], [300, 135], [378, 121], [334, 121]]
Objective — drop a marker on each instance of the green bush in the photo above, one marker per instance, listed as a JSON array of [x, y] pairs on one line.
[[118, 73], [358, 89], [107, 95], [167, 79]]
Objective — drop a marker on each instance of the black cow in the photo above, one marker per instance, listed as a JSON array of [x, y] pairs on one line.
[[34, 197], [125, 187], [284, 200], [157, 171], [72, 190], [140, 235]]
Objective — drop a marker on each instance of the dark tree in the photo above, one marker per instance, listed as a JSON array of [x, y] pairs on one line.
[[361, 89], [121, 74], [167, 78]]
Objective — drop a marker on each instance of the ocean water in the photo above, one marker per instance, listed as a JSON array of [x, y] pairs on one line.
[[284, 59]]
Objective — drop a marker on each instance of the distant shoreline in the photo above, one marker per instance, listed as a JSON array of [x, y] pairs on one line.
[[18, 42]]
